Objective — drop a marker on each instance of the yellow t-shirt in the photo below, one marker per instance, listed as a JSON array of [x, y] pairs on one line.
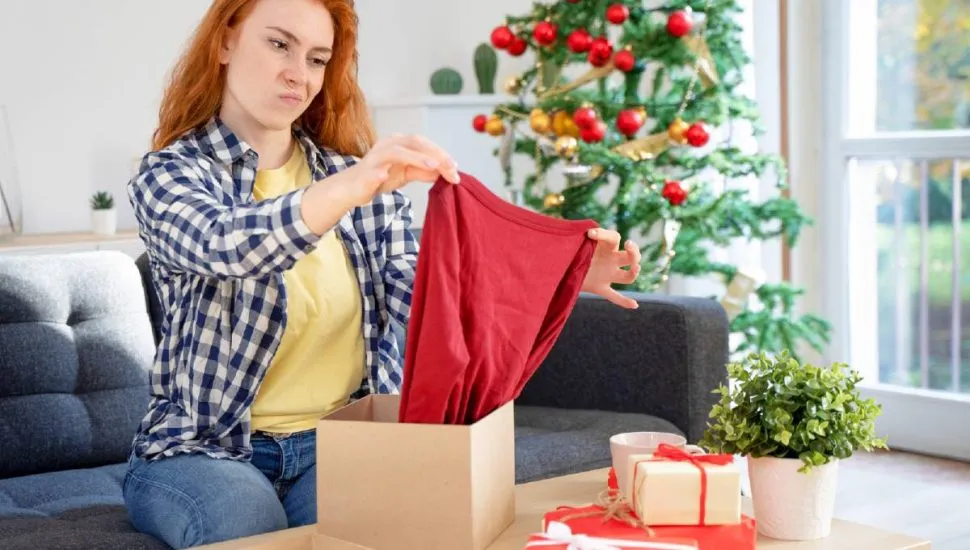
[[320, 361]]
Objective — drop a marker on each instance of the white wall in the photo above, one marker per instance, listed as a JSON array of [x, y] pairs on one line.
[[81, 83]]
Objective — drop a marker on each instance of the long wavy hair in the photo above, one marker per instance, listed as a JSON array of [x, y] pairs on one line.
[[337, 117]]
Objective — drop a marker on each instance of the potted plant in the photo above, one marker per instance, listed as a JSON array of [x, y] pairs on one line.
[[793, 422], [103, 218]]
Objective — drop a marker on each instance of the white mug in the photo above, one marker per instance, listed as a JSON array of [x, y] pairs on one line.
[[624, 445]]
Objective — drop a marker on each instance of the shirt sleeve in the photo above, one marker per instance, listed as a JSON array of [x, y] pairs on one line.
[[187, 225], [401, 253]]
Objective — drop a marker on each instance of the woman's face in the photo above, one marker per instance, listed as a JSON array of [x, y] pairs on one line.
[[275, 61]]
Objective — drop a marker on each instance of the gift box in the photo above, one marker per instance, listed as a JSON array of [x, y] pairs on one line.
[[601, 522], [387, 485], [296, 538], [558, 536], [673, 487]]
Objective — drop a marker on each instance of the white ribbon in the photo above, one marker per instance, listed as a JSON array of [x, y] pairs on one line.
[[560, 533]]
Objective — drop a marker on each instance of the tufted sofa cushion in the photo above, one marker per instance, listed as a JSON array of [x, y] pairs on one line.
[[75, 348]]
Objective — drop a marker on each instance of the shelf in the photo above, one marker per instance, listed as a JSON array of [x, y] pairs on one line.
[[452, 100], [38, 240]]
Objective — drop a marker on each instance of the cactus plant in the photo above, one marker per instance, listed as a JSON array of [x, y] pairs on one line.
[[446, 81], [102, 200], [486, 65]]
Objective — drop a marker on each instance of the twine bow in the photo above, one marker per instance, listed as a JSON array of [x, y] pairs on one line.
[[667, 452], [559, 533]]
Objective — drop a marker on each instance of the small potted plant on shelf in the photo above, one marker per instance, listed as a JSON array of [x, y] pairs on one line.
[[793, 422], [104, 221]]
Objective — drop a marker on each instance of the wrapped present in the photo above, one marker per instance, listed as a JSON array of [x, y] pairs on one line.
[[559, 536], [674, 487], [612, 519]]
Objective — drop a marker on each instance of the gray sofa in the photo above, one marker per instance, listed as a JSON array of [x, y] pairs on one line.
[[78, 333]]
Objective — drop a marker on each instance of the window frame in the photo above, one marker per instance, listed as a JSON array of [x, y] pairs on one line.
[[826, 67]]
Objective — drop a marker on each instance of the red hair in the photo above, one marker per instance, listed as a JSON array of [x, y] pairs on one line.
[[337, 117]]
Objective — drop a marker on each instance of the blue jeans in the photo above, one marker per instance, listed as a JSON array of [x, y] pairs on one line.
[[190, 500]]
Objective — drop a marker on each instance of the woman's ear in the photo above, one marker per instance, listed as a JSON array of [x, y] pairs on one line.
[[228, 45]]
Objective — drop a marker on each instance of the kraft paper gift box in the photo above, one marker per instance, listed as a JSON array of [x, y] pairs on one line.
[[391, 486], [673, 487]]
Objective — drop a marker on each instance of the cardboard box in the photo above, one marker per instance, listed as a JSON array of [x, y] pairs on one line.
[[297, 538], [391, 486]]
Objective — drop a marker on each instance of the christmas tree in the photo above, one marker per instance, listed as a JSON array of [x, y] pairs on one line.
[[641, 133]]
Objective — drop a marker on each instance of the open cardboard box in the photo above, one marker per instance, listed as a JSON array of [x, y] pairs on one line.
[[297, 538], [387, 485]]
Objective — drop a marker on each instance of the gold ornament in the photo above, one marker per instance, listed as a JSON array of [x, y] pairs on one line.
[[563, 125], [671, 228], [677, 129], [644, 148], [513, 85], [743, 284], [494, 126], [553, 200], [566, 146], [593, 74], [705, 62], [540, 121]]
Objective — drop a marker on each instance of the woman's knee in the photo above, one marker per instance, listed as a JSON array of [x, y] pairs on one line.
[[190, 500]]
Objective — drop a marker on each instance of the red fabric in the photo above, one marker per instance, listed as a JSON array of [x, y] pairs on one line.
[[742, 536], [493, 288], [669, 452]]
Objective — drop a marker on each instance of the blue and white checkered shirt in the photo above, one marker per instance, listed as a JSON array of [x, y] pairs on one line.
[[217, 259]]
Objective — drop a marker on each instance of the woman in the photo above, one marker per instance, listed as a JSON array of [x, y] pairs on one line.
[[280, 246]]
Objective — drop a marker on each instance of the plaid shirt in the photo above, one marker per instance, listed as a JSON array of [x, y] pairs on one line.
[[217, 259]]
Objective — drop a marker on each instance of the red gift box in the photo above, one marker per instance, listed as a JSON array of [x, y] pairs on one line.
[[589, 520], [558, 536]]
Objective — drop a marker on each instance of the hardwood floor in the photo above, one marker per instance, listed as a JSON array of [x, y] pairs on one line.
[[908, 493]]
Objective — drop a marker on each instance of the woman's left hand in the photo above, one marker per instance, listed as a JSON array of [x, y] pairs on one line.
[[607, 267]]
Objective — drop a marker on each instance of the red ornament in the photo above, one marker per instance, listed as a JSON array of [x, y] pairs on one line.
[[679, 24], [502, 37], [585, 117], [629, 121], [595, 133], [600, 51], [624, 60], [545, 32], [478, 123], [579, 41], [674, 192], [573, 1], [697, 135], [617, 14], [517, 47]]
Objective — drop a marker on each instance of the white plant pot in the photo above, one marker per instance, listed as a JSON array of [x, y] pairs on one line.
[[789, 505], [104, 222]]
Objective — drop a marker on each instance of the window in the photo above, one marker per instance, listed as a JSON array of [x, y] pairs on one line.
[[896, 197]]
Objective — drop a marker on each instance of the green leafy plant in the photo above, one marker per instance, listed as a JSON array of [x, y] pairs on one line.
[[102, 200], [775, 406]]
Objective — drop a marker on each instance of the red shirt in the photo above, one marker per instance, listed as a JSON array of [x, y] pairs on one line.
[[493, 288]]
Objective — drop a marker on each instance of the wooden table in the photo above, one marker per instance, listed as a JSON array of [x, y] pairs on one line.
[[533, 500]]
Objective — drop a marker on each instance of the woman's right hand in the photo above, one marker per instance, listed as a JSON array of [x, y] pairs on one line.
[[395, 162]]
